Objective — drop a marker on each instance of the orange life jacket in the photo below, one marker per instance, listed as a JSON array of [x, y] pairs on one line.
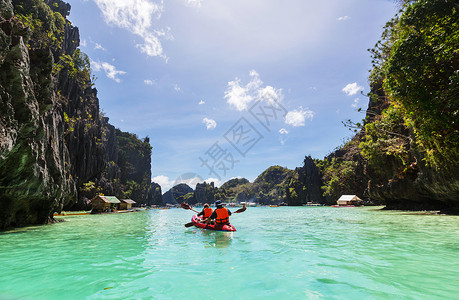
[[207, 212], [222, 216]]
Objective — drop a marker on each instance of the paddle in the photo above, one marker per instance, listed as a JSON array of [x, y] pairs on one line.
[[186, 206], [241, 209]]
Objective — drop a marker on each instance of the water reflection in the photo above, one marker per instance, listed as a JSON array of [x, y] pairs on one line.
[[217, 239]]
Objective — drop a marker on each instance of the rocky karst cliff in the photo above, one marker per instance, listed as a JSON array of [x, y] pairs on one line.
[[304, 185], [56, 149], [406, 151], [179, 193]]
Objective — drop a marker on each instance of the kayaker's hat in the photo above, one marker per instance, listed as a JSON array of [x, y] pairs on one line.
[[218, 203]]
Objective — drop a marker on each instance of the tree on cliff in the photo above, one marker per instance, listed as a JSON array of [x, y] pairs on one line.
[[412, 148]]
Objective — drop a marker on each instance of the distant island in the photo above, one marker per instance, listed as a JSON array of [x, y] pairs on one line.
[[58, 150]]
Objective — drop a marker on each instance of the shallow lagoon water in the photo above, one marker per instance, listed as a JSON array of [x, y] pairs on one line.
[[276, 253]]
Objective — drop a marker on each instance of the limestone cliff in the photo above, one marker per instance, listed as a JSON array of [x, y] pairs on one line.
[[406, 151], [270, 187], [204, 193], [56, 149], [178, 194], [236, 189], [35, 174], [304, 184]]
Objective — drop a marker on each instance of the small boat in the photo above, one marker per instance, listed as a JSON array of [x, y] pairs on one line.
[[197, 221], [71, 213]]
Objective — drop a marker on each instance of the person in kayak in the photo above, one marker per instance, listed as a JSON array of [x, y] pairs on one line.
[[206, 212], [220, 214]]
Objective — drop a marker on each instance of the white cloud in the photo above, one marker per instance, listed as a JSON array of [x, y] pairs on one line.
[[217, 182], [283, 131], [137, 17], [356, 102], [83, 43], [191, 181], [343, 18], [99, 47], [110, 70], [283, 137], [297, 117], [177, 88], [148, 82], [210, 124], [195, 3], [239, 96], [164, 181], [352, 89], [270, 95], [201, 102]]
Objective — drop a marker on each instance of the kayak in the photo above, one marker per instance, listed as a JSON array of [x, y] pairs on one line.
[[197, 222]]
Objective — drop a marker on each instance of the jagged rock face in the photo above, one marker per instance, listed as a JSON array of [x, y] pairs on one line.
[[236, 188], [424, 193], [270, 187], [232, 183], [134, 160], [155, 196], [419, 187], [34, 176], [177, 194], [204, 193], [56, 150], [304, 185], [423, 188]]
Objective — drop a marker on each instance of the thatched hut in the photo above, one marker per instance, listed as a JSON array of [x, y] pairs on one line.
[[126, 203], [345, 200], [104, 203]]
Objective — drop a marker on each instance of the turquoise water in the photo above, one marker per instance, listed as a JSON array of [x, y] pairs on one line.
[[277, 253]]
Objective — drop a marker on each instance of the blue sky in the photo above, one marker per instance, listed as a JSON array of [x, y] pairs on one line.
[[226, 89]]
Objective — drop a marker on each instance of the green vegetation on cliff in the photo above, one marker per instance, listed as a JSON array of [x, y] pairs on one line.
[[133, 154], [46, 27], [268, 188], [236, 189], [57, 151], [418, 63], [407, 152]]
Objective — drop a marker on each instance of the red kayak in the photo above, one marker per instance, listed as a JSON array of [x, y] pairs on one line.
[[197, 221]]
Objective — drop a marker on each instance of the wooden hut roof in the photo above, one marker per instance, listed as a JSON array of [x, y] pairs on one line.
[[108, 199], [349, 198], [129, 201]]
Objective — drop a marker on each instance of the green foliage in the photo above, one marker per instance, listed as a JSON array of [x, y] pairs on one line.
[[271, 185], [134, 156], [46, 27], [70, 123], [338, 177], [129, 187], [88, 187], [188, 197], [236, 189], [419, 62], [387, 139], [77, 66]]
